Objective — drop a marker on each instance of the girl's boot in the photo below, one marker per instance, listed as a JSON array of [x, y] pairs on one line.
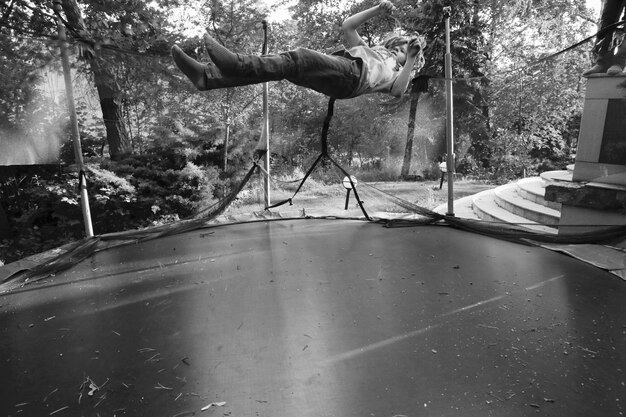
[[204, 76]]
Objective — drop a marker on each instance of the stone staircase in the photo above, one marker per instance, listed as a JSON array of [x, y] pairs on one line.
[[521, 203]]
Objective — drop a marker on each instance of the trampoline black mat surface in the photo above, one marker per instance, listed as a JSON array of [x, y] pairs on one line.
[[317, 318]]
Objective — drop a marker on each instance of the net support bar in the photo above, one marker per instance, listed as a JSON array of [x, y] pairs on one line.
[[78, 153], [266, 130], [450, 163]]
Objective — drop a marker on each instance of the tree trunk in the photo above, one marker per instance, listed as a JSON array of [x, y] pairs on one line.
[[408, 150], [420, 85], [108, 91], [110, 103], [226, 140], [226, 117], [350, 151]]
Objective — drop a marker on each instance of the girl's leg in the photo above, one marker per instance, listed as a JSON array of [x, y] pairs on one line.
[[334, 76], [204, 76], [253, 67]]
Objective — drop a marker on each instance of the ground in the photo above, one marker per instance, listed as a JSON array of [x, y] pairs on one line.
[[331, 198]]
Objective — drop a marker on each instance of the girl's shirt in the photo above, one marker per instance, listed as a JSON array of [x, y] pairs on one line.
[[379, 69]]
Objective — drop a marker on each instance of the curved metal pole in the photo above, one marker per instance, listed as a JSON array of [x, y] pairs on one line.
[[78, 153], [450, 163]]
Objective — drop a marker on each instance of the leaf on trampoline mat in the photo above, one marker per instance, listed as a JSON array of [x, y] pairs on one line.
[[220, 404]]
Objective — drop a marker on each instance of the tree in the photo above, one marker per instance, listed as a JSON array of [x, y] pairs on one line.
[[109, 91], [98, 29]]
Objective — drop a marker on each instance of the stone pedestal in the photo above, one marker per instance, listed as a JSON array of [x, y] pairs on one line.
[[596, 198], [601, 155], [588, 207]]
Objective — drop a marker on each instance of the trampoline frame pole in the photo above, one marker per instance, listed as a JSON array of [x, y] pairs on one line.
[[450, 162], [265, 135], [78, 153], [266, 129]]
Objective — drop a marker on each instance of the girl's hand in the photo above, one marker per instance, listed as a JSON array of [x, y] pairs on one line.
[[414, 47], [386, 7]]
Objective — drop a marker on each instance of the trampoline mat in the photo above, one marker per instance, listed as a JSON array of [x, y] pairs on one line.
[[317, 318]]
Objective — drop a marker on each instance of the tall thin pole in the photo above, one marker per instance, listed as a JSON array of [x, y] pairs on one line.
[[78, 153], [450, 163], [266, 129]]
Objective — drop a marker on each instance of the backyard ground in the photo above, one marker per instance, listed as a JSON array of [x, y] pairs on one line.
[[376, 196]]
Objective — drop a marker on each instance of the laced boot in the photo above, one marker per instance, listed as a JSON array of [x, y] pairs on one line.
[[204, 76]]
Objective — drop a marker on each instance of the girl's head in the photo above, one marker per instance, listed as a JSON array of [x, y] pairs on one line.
[[398, 44], [395, 40]]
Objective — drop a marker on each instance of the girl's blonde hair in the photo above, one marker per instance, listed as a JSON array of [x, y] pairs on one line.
[[394, 39]]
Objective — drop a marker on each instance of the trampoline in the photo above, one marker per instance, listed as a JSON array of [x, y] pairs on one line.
[[317, 317]]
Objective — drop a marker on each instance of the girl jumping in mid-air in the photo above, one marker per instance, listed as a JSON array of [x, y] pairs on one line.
[[349, 73]]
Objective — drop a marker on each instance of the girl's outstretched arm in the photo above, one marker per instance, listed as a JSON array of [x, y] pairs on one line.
[[351, 36], [404, 77]]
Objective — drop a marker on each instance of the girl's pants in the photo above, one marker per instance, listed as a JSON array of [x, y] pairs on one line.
[[333, 75]]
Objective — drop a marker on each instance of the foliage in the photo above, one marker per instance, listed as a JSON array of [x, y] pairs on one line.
[[42, 205], [534, 93]]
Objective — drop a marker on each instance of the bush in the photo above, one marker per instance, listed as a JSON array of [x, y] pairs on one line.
[[43, 213], [139, 191]]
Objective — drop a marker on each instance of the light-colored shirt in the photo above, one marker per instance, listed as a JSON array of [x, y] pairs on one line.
[[379, 71]]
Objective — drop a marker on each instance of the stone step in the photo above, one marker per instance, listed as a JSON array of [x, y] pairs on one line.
[[604, 186], [485, 206], [507, 197], [534, 189], [521, 203], [556, 176]]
